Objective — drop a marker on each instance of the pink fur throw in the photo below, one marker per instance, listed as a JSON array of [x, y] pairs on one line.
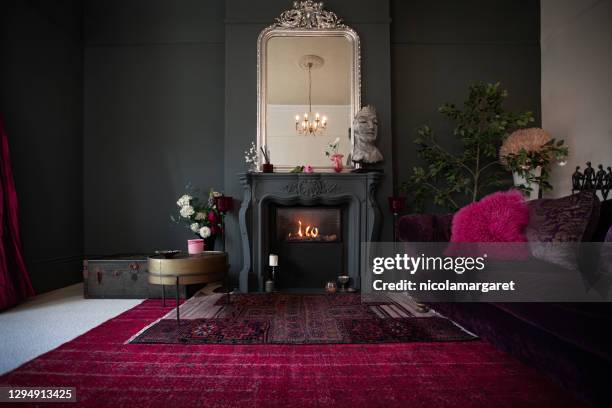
[[499, 217]]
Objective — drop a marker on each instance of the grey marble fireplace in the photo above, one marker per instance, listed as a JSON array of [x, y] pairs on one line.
[[266, 195]]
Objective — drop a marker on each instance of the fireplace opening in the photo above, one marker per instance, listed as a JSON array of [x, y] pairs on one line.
[[322, 225], [309, 243]]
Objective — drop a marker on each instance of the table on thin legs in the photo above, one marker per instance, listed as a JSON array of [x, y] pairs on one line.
[[184, 269]]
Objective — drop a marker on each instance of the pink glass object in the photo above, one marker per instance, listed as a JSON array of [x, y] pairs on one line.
[[195, 246], [397, 204], [224, 203], [308, 169], [337, 162]]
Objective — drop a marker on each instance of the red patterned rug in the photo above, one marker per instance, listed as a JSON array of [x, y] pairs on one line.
[[278, 318], [107, 372]]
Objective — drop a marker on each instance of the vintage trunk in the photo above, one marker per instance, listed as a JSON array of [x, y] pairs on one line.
[[122, 277]]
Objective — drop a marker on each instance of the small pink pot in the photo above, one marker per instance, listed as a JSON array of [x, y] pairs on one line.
[[195, 246]]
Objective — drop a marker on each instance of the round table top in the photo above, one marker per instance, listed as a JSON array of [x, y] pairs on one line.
[[184, 255], [209, 266]]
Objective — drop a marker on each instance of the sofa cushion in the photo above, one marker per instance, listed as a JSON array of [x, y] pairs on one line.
[[557, 226], [498, 217], [567, 219]]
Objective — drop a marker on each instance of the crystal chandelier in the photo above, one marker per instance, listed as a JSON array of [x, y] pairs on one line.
[[310, 124]]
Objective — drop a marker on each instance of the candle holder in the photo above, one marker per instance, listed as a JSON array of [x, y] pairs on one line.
[[224, 204], [396, 206]]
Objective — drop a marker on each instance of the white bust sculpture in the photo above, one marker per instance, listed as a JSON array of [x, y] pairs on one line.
[[365, 127]]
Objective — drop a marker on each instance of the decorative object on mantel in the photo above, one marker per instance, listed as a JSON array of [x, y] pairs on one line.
[[343, 280], [528, 153], [297, 169], [310, 125], [331, 287], [365, 127], [266, 167], [251, 158], [451, 179], [308, 169], [200, 216], [224, 204], [332, 152], [591, 180], [397, 204]]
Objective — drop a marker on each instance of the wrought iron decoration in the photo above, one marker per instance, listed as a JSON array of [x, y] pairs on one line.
[[593, 180]]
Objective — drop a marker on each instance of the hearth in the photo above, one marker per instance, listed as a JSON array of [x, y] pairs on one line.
[[308, 241]]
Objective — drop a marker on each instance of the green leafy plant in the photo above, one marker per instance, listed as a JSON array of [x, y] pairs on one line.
[[450, 179]]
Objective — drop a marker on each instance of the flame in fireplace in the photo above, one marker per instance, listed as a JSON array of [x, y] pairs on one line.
[[307, 232]]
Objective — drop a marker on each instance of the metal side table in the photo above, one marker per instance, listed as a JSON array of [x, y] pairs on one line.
[[184, 269]]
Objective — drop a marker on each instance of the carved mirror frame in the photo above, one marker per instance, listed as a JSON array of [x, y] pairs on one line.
[[306, 19]]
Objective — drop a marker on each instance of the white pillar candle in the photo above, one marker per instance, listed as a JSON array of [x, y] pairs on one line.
[[273, 260]]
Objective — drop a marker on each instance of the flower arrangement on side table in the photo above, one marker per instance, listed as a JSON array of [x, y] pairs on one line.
[[529, 153], [200, 216]]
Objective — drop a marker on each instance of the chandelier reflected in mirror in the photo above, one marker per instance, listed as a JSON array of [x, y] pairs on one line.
[[310, 124]]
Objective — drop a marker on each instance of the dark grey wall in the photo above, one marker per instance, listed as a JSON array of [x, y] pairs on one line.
[[170, 97], [438, 47], [41, 101], [154, 117], [244, 20]]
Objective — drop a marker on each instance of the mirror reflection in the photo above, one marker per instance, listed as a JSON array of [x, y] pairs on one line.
[[308, 98]]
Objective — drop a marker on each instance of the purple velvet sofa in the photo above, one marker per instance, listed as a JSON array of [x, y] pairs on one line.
[[570, 342]]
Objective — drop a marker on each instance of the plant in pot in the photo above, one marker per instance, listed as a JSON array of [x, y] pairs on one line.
[[454, 177], [251, 158], [201, 217], [529, 153], [331, 151]]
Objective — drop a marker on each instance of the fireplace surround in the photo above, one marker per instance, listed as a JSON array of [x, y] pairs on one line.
[[347, 206]]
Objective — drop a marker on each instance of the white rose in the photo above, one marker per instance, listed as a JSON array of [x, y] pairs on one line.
[[187, 211], [200, 216], [195, 227], [205, 232], [184, 200], [216, 194]]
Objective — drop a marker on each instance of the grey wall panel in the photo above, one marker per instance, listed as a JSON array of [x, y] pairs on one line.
[[480, 21], [153, 122], [41, 101], [153, 21]]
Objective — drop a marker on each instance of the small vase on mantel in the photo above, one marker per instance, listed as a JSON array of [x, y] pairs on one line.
[[519, 180], [337, 162]]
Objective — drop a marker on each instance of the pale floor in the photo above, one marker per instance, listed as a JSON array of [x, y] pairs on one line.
[[46, 321]]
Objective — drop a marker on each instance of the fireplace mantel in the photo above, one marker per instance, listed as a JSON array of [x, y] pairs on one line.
[[356, 190]]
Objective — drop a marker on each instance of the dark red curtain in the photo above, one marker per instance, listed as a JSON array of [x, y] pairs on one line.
[[15, 282]]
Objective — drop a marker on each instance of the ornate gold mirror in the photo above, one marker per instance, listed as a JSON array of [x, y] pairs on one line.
[[308, 87]]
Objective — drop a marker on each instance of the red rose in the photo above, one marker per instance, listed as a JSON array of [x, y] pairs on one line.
[[212, 217]]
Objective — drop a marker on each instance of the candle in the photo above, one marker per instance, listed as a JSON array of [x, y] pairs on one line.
[[273, 260]]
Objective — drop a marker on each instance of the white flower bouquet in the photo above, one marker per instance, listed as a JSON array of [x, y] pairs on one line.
[[200, 216]]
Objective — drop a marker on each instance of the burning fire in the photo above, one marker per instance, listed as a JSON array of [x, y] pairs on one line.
[[308, 232]]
